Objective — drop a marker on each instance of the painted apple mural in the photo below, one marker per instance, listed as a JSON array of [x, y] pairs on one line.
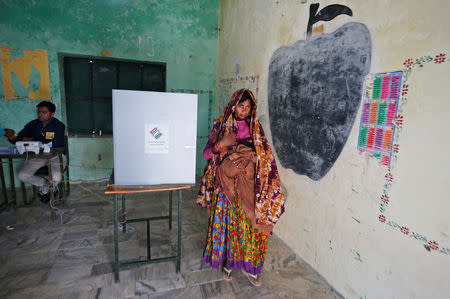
[[314, 92]]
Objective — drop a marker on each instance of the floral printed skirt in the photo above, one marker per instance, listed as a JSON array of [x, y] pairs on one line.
[[231, 239]]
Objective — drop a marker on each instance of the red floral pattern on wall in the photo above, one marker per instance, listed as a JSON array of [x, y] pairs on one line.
[[433, 245], [440, 58], [408, 62], [385, 198], [405, 89]]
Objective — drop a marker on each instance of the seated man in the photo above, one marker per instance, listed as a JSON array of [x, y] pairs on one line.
[[46, 128]]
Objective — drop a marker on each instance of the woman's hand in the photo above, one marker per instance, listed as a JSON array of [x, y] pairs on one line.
[[227, 140], [234, 156]]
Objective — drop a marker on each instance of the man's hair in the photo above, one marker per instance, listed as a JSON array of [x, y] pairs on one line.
[[51, 107]]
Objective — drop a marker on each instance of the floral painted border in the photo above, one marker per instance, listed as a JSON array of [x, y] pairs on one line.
[[409, 64]]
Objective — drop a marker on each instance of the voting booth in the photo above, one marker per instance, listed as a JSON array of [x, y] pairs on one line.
[[154, 135]]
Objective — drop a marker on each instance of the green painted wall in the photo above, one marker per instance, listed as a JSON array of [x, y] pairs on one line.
[[183, 34]]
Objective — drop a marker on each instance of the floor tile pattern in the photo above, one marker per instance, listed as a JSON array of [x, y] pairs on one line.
[[42, 258]]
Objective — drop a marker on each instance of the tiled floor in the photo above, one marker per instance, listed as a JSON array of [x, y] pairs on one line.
[[41, 258]]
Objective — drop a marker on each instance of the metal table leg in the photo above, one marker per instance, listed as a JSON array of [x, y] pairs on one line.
[[24, 193], [116, 242], [13, 185], [2, 178], [124, 217], [62, 192], [149, 254], [50, 190], [50, 175], [170, 209], [180, 200]]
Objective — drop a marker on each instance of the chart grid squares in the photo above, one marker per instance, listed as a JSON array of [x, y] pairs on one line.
[[380, 105]]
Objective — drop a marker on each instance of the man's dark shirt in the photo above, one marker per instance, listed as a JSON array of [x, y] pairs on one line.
[[52, 132]]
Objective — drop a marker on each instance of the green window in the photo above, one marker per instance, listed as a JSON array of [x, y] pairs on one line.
[[88, 89]]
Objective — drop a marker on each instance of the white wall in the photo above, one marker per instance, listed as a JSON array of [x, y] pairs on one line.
[[333, 223]]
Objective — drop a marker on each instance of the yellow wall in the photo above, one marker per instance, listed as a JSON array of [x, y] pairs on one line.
[[333, 223]]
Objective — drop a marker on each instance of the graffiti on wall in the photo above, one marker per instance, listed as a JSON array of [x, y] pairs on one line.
[[314, 92], [25, 74]]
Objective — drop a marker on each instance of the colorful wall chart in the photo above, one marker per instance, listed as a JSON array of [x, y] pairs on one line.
[[380, 104]]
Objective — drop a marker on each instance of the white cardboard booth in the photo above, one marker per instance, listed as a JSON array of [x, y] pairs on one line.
[[154, 135]]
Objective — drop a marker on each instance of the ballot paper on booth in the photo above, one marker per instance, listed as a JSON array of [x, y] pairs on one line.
[[154, 136]]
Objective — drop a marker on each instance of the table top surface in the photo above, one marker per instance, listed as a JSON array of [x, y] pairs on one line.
[[53, 152], [123, 189]]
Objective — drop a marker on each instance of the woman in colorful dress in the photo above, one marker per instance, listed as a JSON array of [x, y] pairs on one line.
[[241, 189]]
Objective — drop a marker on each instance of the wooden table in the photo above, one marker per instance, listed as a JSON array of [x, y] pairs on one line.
[[123, 190], [30, 155]]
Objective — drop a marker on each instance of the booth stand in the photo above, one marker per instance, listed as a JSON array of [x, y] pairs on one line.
[[154, 136], [122, 191]]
